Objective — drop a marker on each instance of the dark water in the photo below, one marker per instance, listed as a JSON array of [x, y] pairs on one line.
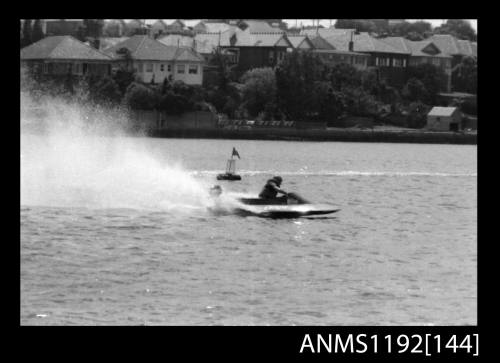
[[114, 236]]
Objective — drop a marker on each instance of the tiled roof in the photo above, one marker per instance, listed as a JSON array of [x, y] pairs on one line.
[[362, 42], [417, 47], [62, 47], [442, 111], [335, 51], [245, 39], [453, 46], [447, 43], [320, 42], [107, 42], [327, 32], [217, 27], [256, 26], [297, 40], [177, 40], [206, 42], [142, 47], [414, 48]]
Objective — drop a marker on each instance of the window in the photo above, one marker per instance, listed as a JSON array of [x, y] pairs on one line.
[[45, 68], [271, 56], [435, 61], [193, 69], [140, 67], [162, 67], [169, 68], [78, 68], [149, 67], [398, 62], [181, 69]]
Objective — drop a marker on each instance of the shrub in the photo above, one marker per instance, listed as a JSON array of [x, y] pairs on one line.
[[139, 97]]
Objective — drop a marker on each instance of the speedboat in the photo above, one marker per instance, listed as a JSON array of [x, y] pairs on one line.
[[290, 206]]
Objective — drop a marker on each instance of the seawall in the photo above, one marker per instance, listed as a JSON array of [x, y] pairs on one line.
[[417, 136]]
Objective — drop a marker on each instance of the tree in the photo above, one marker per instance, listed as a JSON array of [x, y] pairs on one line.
[[27, 33], [432, 77], [259, 90], [106, 91], [464, 78], [37, 33], [295, 79], [413, 31], [140, 97], [174, 104], [459, 28], [123, 78], [415, 90]]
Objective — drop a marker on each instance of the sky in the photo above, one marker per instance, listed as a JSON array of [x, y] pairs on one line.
[[326, 22]]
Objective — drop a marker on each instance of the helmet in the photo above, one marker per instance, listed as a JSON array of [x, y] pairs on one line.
[[278, 179]]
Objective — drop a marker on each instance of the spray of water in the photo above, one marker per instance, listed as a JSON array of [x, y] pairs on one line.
[[75, 155]]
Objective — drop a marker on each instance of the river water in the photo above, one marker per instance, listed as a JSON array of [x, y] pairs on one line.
[[116, 231]]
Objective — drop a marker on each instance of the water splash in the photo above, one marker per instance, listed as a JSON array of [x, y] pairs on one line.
[[83, 156]]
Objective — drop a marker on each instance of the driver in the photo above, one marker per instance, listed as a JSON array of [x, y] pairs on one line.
[[272, 188]]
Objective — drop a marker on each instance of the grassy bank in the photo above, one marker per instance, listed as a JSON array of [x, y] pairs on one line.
[[351, 135]]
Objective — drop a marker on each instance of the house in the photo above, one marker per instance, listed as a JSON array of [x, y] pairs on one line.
[[62, 55], [444, 119], [422, 52], [247, 50], [154, 61], [158, 28], [333, 57], [390, 62]]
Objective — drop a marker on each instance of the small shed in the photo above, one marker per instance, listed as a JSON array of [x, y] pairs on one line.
[[444, 119]]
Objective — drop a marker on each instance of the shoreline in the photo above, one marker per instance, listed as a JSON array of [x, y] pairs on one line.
[[350, 135]]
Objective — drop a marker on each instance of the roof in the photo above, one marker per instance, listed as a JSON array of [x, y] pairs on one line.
[[260, 26], [62, 47], [335, 51], [414, 48], [327, 32], [107, 42], [297, 40], [320, 43], [363, 42], [442, 111], [244, 39], [215, 27], [142, 47], [207, 42], [177, 40]]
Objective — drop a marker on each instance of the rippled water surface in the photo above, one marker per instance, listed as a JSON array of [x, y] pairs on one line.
[[129, 240]]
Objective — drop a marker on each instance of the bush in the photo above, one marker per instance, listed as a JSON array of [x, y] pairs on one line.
[[417, 115], [174, 104], [139, 97], [259, 91]]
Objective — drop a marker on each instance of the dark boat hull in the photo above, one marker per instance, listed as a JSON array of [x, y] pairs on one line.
[[292, 206], [228, 177]]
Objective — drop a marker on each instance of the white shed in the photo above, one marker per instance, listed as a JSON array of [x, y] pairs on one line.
[[444, 119]]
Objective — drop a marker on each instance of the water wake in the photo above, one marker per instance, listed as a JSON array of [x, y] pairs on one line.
[[340, 173], [86, 158]]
